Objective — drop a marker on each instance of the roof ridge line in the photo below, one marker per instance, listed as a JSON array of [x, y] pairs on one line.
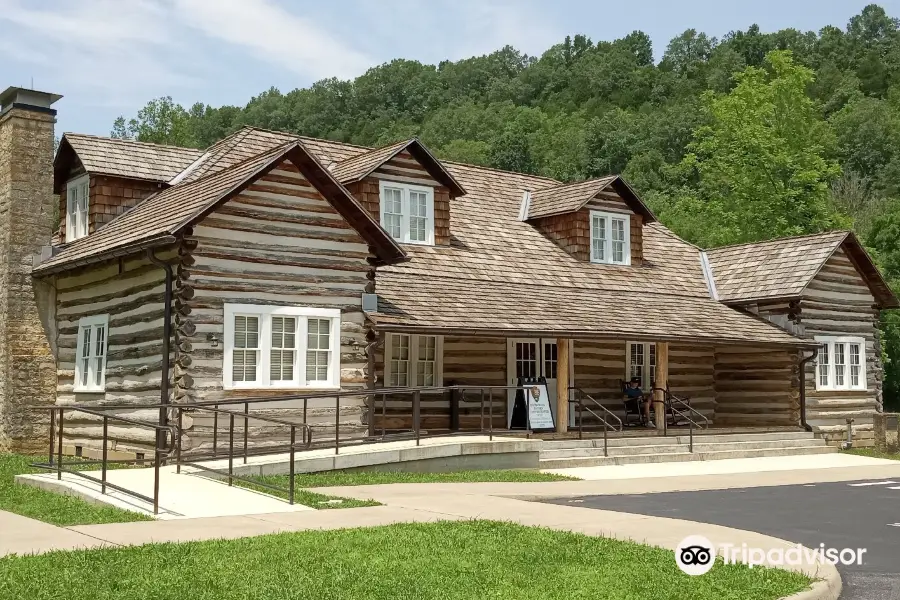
[[783, 238], [109, 138], [228, 168]]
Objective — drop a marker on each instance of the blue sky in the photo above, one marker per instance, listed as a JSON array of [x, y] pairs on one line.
[[109, 57]]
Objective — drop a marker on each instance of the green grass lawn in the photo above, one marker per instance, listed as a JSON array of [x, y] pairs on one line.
[[49, 506], [342, 478], [873, 453], [440, 561]]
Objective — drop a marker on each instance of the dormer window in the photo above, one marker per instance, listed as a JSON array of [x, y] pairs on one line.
[[77, 194], [407, 212], [610, 238]]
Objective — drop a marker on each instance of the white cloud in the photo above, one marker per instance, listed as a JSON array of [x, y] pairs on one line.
[[274, 35]]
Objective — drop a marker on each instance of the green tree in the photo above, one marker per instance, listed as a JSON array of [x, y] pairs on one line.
[[882, 240], [761, 165], [161, 121]]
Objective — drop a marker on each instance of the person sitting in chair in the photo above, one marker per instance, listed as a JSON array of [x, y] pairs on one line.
[[634, 393]]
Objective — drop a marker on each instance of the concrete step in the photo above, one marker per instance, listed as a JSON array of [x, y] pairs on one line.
[[681, 456], [654, 439], [700, 445]]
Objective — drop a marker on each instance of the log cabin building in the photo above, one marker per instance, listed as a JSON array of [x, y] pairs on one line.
[[279, 264]]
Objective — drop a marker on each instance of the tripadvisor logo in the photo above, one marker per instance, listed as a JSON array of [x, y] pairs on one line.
[[696, 555]]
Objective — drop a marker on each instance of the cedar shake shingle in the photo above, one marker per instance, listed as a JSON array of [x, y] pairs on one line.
[[128, 158]]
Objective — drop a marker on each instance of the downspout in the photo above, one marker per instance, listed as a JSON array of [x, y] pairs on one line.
[[167, 335], [803, 362]]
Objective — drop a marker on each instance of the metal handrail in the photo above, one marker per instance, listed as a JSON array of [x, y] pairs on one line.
[[160, 452], [581, 394], [669, 400]]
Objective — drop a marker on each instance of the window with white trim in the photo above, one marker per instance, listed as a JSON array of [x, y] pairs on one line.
[[90, 357], [77, 195], [841, 363], [281, 347], [407, 212], [641, 362], [414, 360], [610, 238]]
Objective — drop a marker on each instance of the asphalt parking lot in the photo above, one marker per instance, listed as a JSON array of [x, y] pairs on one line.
[[855, 514]]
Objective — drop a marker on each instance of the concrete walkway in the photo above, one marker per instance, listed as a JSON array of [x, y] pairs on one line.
[[497, 501]]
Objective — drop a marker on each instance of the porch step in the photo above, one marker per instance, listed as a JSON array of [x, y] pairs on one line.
[[699, 446], [653, 439], [681, 455], [562, 454]]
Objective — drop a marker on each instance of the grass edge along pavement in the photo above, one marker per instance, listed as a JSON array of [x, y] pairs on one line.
[[51, 507], [446, 560], [874, 453], [356, 478]]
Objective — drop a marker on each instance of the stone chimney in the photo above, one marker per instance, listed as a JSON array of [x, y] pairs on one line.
[[27, 363]]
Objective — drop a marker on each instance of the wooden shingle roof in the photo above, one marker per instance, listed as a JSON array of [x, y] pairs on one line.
[[362, 165], [783, 268], [121, 158], [498, 273], [157, 219], [558, 198]]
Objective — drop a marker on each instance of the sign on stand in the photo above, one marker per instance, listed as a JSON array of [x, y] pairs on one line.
[[533, 400]]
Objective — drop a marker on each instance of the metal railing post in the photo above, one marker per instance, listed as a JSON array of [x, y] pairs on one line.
[[691, 436], [230, 449], [216, 431], [605, 439], [527, 392], [481, 418], [383, 414], [103, 466], [581, 416], [52, 432], [305, 402], [59, 443], [417, 412], [337, 423], [180, 435], [246, 426], [491, 414], [291, 471], [156, 462]]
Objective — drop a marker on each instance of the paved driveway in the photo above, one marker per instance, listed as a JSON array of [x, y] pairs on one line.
[[860, 514]]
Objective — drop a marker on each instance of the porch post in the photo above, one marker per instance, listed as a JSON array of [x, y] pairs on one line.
[[661, 380], [562, 385]]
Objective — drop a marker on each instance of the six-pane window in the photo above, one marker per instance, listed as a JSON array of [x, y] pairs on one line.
[[90, 364], [610, 238], [281, 346], [77, 195], [407, 212], [841, 363], [413, 360], [642, 363]]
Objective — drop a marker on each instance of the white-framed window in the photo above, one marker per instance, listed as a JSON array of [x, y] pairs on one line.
[[610, 238], [414, 360], [90, 356], [281, 347], [407, 212], [641, 362], [841, 363], [77, 195]]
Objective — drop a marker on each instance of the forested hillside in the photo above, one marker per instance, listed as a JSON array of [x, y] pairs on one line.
[[740, 138]]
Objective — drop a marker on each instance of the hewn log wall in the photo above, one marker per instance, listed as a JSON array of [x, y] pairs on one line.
[[838, 302], [278, 243], [131, 292], [756, 386]]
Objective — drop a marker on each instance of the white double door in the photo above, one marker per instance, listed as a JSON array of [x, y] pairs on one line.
[[535, 357]]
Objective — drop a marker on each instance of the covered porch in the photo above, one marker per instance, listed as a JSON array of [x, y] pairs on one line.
[[732, 385]]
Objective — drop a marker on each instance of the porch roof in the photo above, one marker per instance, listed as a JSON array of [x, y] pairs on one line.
[[455, 305]]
